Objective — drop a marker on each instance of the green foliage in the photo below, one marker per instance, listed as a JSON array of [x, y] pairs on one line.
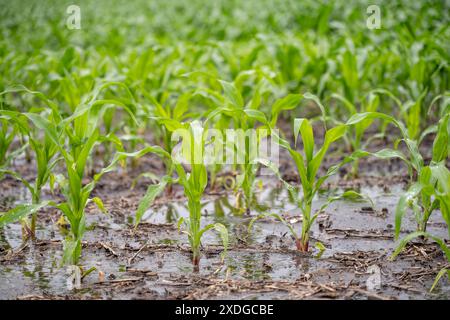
[[245, 119], [429, 183], [45, 155], [194, 184], [7, 134], [84, 95], [403, 242], [308, 163]]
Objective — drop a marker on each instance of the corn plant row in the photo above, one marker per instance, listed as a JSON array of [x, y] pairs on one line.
[[78, 104], [68, 142]]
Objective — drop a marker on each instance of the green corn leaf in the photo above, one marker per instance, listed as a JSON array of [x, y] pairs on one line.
[[441, 173], [273, 215], [404, 202], [349, 194], [440, 144], [223, 232], [440, 274], [314, 98], [365, 116], [149, 175], [430, 130], [403, 242], [256, 115], [119, 156], [444, 206], [232, 94], [347, 104], [289, 102], [298, 159], [390, 154], [17, 176], [170, 124], [321, 248], [446, 105], [19, 212], [152, 192], [390, 95], [304, 127], [350, 71], [331, 136], [20, 88], [71, 252], [181, 106], [67, 211], [334, 169], [81, 228], [85, 152], [99, 204], [180, 222], [41, 123]]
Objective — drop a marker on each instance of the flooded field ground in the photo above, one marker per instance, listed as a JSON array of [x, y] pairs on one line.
[[153, 261]]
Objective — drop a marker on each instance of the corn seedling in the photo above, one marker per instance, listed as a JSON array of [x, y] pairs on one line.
[[445, 249], [194, 184], [354, 136], [421, 195], [411, 112], [45, 154], [308, 165], [73, 138], [350, 75], [169, 119], [7, 133], [139, 77], [244, 147]]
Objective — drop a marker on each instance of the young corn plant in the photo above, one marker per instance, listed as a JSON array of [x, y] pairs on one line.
[[430, 188], [7, 133], [410, 112], [74, 138], [248, 119], [445, 249], [244, 118], [169, 118], [308, 164], [194, 183], [75, 194], [45, 154], [355, 134], [423, 195]]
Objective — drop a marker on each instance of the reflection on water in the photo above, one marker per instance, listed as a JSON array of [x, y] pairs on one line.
[[220, 209], [172, 215], [4, 244], [37, 271]]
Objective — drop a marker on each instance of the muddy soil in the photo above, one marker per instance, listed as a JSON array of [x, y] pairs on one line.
[[153, 261]]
